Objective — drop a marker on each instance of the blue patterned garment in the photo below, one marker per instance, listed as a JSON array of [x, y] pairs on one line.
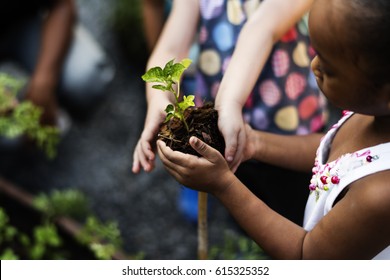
[[285, 99]]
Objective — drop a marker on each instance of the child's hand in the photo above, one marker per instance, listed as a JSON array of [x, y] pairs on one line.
[[144, 153], [250, 145], [209, 173]]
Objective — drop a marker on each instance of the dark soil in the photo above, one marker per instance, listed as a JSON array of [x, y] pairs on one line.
[[202, 123]]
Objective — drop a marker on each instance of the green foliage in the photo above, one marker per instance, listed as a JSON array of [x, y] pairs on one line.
[[166, 79], [237, 247], [22, 118], [103, 239], [94, 230], [44, 238], [8, 89], [7, 232], [68, 202]]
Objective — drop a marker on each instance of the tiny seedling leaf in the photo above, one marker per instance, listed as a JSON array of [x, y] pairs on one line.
[[188, 101], [171, 74], [170, 109]]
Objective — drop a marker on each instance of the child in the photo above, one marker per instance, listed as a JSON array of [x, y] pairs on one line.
[[274, 94], [348, 209]]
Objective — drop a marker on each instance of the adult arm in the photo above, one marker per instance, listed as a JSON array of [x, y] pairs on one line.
[[174, 43], [56, 35], [271, 20], [294, 152], [153, 20]]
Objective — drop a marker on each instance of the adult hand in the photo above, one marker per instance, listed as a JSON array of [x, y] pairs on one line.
[[208, 173], [41, 92], [232, 127]]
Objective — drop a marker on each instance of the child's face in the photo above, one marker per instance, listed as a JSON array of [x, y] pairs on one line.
[[338, 68]]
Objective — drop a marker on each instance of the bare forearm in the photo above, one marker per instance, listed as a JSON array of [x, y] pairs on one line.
[[239, 79], [293, 152], [57, 34], [278, 236], [174, 43], [153, 20], [256, 40]]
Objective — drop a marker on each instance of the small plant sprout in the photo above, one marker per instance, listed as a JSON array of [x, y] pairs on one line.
[[168, 79]]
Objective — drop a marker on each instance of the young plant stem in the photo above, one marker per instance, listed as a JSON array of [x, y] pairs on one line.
[[177, 94], [202, 226]]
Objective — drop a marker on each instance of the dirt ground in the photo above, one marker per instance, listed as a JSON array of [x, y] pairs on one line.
[[96, 157]]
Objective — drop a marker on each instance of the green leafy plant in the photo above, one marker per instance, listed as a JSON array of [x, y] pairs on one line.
[[69, 202], [102, 238], [44, 242], [237, 247], [22, 118], [168, 79], [94, 231]]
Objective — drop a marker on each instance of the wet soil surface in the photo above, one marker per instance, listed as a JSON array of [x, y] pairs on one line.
[[202, 123]]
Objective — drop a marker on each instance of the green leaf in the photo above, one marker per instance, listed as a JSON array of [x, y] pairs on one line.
[[8, 254], [171, 74], [153, 75], [4, 219], [70, 202], [170, 109], [178, 69], [168, 69], [161, 87], [103, 251], [168, 117], [103, 238], [188, 101], [186, 62], [47, 234]]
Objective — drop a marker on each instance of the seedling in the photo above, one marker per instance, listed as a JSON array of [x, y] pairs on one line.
[[168, 79]]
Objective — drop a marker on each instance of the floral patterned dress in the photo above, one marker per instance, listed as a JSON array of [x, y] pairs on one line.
[[331, 178], [285, 99]]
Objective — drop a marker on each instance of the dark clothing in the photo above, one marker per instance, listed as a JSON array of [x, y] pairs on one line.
[[14, 11], [284, 190]]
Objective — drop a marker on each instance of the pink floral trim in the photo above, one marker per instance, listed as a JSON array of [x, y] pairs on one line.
[[326, 176]]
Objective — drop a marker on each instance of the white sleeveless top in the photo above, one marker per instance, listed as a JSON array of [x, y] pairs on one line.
[[330, 179]]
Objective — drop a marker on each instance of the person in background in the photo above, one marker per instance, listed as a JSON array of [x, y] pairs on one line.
[[153, 16], [348, 208], [65, 65], [254, 62]]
